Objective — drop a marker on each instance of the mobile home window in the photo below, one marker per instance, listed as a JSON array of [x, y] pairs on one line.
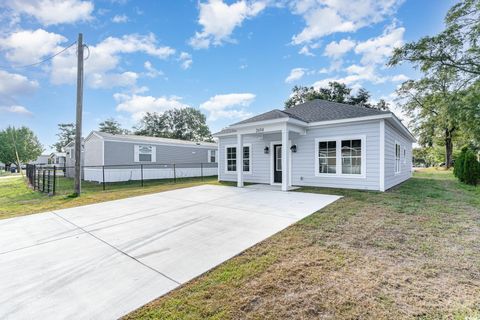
[[404, 155], [212, 156], [397, 158], [231, 154], [327, 157], [145, 153], [352, 156]]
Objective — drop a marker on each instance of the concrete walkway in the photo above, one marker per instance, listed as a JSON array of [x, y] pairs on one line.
[[104, 260]]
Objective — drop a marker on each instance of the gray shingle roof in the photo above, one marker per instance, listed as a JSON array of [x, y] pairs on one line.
[[317, 110], [146, 139]]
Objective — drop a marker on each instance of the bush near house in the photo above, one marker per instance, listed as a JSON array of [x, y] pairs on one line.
[[467, 167]]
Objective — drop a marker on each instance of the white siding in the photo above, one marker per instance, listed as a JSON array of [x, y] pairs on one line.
[[303, 161], [392, 135], [260, 162]]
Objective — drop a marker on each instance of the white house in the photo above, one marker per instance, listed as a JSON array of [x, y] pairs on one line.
[[318, 143], [57, 158]]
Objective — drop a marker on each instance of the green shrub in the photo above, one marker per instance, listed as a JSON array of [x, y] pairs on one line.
[[471, 168], [458, 168]]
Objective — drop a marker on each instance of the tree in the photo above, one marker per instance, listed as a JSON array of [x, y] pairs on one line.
[[19, 146], [112, 126], [186, 124], [471, 168], [433, 104], [65, 135], [456, 47], [335, 92]]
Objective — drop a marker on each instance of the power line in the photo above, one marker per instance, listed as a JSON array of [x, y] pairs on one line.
[[39, 62]]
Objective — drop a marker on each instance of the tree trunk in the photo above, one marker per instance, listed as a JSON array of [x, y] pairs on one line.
[[448, 148]]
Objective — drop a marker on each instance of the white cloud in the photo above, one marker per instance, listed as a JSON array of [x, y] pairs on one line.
[[120, 18], [105, 58], [295, 74], [138, 105], [21, 110], [52, 12], [324, 17], [231, 106], [376, 50], [218, 20], [28, 46], [186, 60], [399, 78], [111, 80], [13, 84], [338, 49], [151, 71]]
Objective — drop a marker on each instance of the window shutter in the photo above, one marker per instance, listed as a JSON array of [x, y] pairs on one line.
[[154, 154], [209, 155], [135, 153]]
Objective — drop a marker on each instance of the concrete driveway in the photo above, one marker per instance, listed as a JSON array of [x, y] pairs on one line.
[[104, 260]]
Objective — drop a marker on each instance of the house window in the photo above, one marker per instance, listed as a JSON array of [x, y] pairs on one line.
[[145, 153], [231, 154], [352, 156], [212, 156], [397, 158], [278, 150], [327, 157], [404, 155], [246, 159], [231, 159]]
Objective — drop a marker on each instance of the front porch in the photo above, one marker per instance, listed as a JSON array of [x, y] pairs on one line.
[[262, 154]]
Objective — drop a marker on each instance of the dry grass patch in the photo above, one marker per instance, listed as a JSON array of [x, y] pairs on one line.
[[410, 253]]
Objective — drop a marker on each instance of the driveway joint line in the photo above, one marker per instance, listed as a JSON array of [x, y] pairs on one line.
[[117, 249]]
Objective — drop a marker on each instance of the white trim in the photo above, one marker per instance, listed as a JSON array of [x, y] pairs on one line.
[[225, 158], [382, 155], [144, 142], [392, 116], [399, 158], [103, 152], [338, 170]]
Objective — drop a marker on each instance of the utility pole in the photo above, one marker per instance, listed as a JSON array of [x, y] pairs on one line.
[[78, 128]]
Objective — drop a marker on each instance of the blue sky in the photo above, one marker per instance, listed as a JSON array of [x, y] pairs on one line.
[[230, 59]]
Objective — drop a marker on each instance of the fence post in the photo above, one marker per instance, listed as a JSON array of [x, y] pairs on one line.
[[43, 181], [141, 172], [34, 171], [103, 176], [54, 179], [174, 174], [48, 182], [201, 169]]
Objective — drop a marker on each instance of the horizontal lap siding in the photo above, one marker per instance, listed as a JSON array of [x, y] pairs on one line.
[[303, 162], [122, 153], [392, 135], [260, 161], [93, 151]]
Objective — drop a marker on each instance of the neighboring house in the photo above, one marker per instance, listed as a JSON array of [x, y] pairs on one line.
[[123, 157], [57, 159], [42, 159], [70, 158], [328, 144]]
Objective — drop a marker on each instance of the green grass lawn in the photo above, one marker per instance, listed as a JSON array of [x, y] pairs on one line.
[[16, 198], [410, 253]]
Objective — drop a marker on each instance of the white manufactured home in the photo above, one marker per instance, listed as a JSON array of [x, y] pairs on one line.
[[318, 143], [118, 157]]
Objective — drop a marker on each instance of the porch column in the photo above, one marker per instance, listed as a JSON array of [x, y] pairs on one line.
[[285, 154], [239, 160]]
